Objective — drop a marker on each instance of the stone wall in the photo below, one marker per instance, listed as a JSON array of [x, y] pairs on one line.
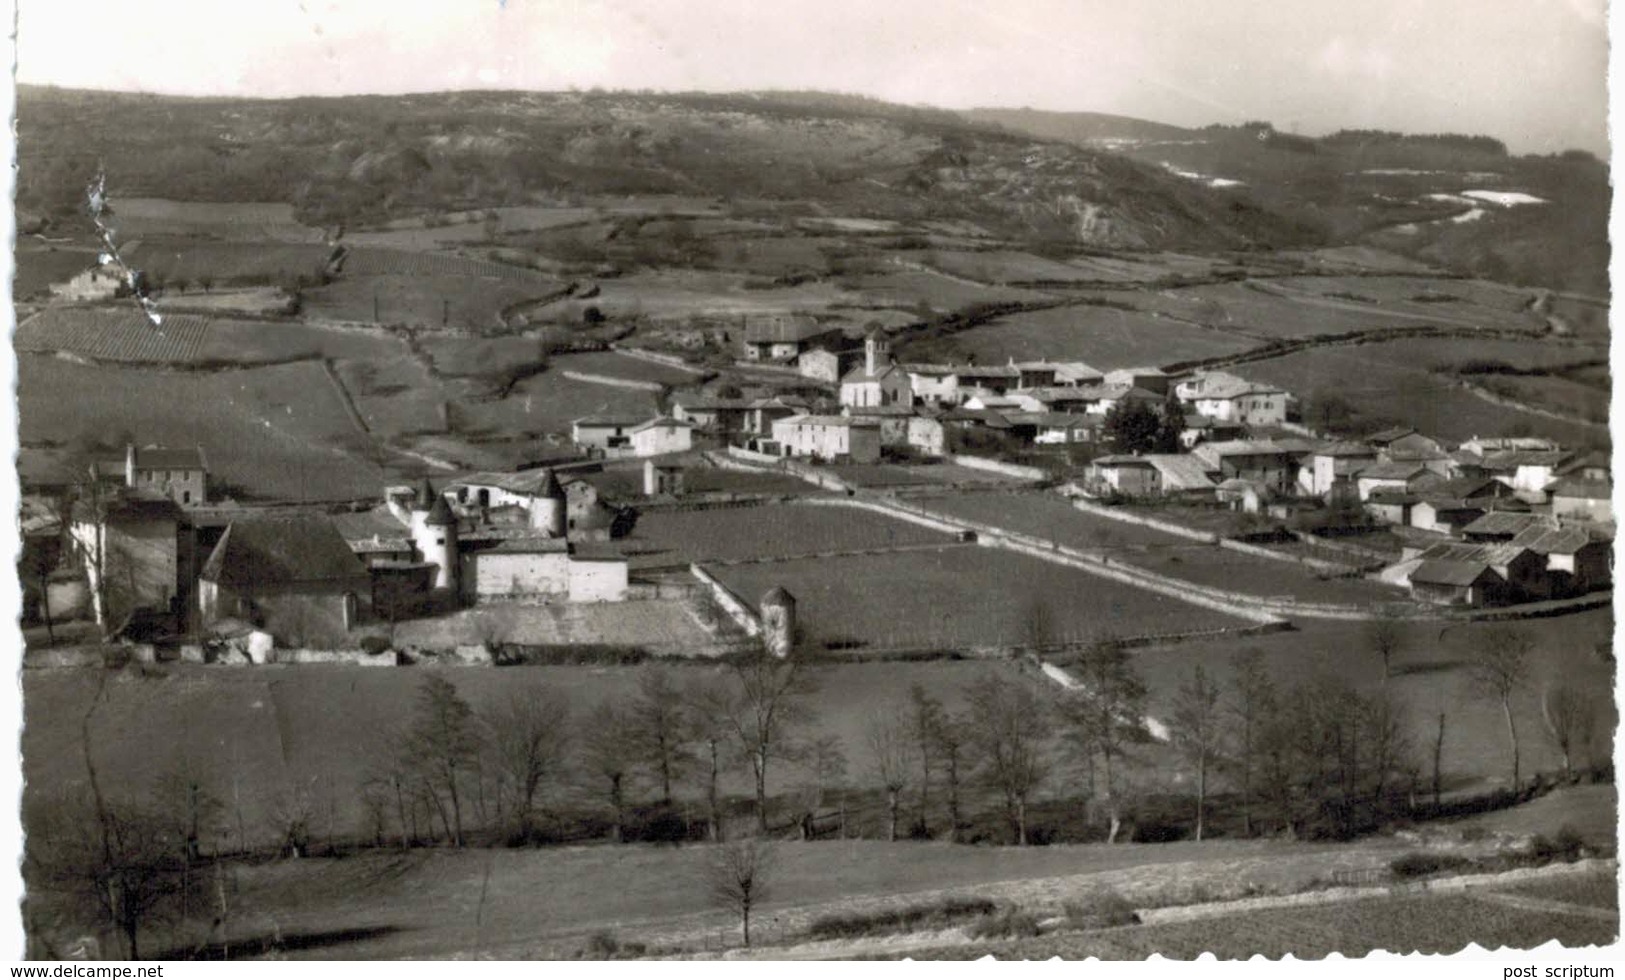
[[737, 609]]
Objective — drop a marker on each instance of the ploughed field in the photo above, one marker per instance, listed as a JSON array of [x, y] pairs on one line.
[[961, 597]]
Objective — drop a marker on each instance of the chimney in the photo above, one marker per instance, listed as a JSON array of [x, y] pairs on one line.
[[129, 464]]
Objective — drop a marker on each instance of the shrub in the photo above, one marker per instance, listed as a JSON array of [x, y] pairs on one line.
[[1565, 846], [1420, 865], [1011, 923], [1099, 910], [922, 915]]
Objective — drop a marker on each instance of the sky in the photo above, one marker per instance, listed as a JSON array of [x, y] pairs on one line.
[[1530, 72]]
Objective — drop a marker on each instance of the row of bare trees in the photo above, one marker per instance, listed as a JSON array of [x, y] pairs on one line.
[[451, 769]]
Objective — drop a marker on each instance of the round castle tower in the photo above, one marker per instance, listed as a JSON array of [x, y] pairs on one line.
[[434, 534], [779, 621], [549, 508]]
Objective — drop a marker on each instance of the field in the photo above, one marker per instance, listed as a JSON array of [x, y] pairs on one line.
[[251, 341], [38, 268], [395, 395], [1395, 393], [365, 262], [426, 301], [119, 334], [1103, 337], [189, 261], [961, 597], [912, 287], [1011, 267], [141, 217], [274, 431], [1223, 569], [542, 403], [1049, 516], [769, 531], [931, 474], [1430, 924], [473, 357]]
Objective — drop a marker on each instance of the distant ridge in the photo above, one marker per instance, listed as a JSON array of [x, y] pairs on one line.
[[1076, 127]]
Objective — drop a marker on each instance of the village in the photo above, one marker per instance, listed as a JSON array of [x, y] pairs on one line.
[[140, 548]]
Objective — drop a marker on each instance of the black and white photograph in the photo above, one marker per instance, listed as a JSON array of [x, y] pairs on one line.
[[639, 480]]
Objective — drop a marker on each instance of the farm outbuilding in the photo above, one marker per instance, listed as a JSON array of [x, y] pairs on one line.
[[661, 436], [1584, 500], [1457, 583]]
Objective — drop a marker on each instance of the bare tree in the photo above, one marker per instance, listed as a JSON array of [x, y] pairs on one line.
[[292, 813], [661, 726], [925, 722], [709, 711], [887, 740], [529, 739], [609, 758], [736, 877], [1252, 707], [1438, 759], [824, 761], [1500, 666], [1105, 715], [1386, 636], [764, 709], [952, 746], [1570, 716], [1387, 739], [124, 860], [1010, 726], [441, 747], [1196, 733]]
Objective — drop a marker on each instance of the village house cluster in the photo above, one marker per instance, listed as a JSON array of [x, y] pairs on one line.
[[149, 551]]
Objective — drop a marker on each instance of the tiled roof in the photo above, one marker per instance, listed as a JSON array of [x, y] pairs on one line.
[[1552, 540], [1391, 471], [1458, 573], [282, 550], [661, 421], [1583, 489], [1180, 471], [609, 421], [828, 420], [541, 482], [1508, 523]]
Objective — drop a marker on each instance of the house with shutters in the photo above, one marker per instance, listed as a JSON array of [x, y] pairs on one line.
[[1228, 398], [829, 437]]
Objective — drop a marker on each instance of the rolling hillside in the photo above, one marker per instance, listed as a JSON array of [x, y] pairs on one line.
[[349, 160]]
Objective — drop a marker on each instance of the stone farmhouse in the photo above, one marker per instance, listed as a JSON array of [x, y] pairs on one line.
[[182, 474]]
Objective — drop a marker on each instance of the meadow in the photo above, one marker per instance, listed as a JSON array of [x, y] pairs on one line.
[[1428, 924], [395, 395], [1386, 393], [141, 217], [1003, 266], [543, 403], [37, 269], [613, 365], [1101, 336], [255, 341], [426, 301], [959, 597], [192, 261], [770, 531]]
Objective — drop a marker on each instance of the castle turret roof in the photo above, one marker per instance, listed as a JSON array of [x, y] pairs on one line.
[[426, 496], [440, 514]]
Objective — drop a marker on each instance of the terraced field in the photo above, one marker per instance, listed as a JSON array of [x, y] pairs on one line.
[[118, 334]]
